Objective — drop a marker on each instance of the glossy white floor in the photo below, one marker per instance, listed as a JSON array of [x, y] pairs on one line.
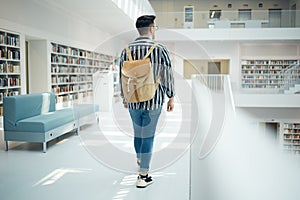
[[70, 171]]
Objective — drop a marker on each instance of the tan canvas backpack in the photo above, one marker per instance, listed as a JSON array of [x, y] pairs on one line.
[[137, 78]]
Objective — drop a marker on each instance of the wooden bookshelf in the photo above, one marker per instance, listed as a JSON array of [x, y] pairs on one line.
[[10, 65], [72, 71], [263, 73]]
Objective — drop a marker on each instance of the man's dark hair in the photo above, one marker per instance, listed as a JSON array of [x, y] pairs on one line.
[[143, 23]]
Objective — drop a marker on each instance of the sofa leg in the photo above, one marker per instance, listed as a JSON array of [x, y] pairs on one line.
[[77, 130], [6, 145], [44, 147]]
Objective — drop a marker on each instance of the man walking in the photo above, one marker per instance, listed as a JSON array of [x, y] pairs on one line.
[[145, 115]]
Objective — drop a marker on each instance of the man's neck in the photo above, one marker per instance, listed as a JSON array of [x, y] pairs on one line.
[[145, 36]]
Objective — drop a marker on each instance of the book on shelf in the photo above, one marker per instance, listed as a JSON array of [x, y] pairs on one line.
[[9, 39], [10, 78], [72, 70], [264, 69]]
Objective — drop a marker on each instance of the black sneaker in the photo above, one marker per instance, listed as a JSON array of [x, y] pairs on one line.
[[143, 181]]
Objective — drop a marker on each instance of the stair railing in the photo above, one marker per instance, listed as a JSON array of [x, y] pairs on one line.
[[290, 76]]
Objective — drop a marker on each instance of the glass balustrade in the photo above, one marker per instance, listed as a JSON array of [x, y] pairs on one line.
[[230, 19]]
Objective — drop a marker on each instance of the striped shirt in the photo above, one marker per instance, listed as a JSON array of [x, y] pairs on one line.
[[162, 68]]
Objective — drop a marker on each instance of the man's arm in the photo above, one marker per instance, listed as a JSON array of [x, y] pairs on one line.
[[120, 77], [169, 80]]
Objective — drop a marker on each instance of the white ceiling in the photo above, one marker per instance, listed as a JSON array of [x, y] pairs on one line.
[[103, 14]]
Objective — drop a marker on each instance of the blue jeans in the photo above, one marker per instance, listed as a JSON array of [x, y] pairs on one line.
[[144, 125]]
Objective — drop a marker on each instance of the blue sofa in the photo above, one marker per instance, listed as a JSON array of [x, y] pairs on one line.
[[34, 118]]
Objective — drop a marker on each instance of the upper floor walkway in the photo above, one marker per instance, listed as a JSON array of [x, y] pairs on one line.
[[229, 19]]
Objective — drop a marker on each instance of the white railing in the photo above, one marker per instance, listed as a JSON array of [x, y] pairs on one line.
[[213, 104], [290, 76]]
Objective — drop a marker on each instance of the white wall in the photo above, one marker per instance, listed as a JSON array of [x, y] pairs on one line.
[[274, 50], [205, 50], [38, 19], [39, 72]]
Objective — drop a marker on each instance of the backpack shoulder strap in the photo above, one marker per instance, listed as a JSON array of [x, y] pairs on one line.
[[150, 50], [128, 53]]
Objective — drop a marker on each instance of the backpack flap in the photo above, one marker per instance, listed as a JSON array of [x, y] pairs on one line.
[[136, 68]]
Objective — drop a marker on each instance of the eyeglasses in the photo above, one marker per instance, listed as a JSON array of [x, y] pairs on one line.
[[156, 27]]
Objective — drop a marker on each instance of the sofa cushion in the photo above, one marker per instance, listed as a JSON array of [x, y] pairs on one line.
[[45, 122], [21, 107]]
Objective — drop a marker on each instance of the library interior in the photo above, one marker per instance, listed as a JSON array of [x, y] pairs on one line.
[[234, 132]]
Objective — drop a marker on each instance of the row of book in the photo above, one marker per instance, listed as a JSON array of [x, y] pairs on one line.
[[10, 82], [60, 89], [103, 57], [255, 72], [79, 52], [292, 126], [260, 86], [253, 67], [260, 67], [61, 69], [77, 61], [9, 40], [102, 64], [9, 68], [72, 88], [71, 51], [72, 69], [283, 62], [71, 60], [258, 81], [61, 99], [7, 94], [269, 62], [64, 60], [71, 79], [292, 136], [262, 81], [265, 72], [265, 76], [10, 54], [255, 62]]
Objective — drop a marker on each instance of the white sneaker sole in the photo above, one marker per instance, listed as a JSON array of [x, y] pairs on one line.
[[143, 185]]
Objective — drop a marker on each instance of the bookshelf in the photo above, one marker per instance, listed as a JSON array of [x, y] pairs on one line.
[[10, 65], [116, 76], [264, 73], [291, 137], [72, 72]]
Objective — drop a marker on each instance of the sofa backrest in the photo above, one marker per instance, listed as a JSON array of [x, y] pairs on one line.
[[24, 106]]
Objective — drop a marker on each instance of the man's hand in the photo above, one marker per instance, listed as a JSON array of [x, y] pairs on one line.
[[125, 105], [170, 105]]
